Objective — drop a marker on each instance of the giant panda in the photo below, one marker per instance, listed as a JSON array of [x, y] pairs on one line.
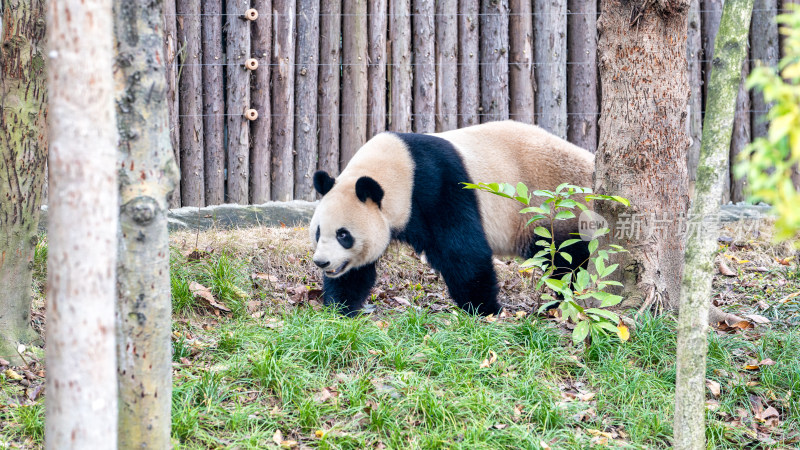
[[407, 187]]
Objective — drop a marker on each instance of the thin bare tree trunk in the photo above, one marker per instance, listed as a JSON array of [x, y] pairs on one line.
[[261, 128], [424, 66], [582, 104], [238, 101], [694, 56], [376, 94], [81, 402], [400, 36], [23, 157], [731, 49], [494, 60], [740, 139], [283, 53], [520, 64], [764, 50], [213, 102], [305, 122], [550, 48], [148, 174], [354, 79], [446, 65], [469, 95], [191, 104], [330, 59], [643, 72], [171, 48]]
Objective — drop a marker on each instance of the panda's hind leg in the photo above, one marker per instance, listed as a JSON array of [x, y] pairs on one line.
[[348, 292], [471, 280]]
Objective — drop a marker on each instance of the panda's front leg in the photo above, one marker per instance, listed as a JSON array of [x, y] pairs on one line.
[[470, 279], [348, 292]]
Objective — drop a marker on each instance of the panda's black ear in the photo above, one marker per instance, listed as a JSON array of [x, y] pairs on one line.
[[366, 188], [323, 182]]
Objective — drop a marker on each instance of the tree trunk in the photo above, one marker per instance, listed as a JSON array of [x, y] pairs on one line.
[[446, 65], [763, 51], [400, 36], [643, 143], [305, 121], [740, 139], [147, 177], [376, 95], [283, 52], [213, 103], [81, 384], [730, 48], [171, 46], [550, 48], [582, 105], [694, 55], [191, 104], [494, 60], [520, 64], [238, 101], [469, 95], [23, 151], [424, 66], [354, 79], [330, 60], [261, 128], [785, 9]]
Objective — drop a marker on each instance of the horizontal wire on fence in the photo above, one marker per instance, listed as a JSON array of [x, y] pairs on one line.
[[478, 114], [509, 14]]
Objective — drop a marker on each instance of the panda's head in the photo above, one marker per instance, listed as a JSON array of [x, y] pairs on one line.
[[348, 229]]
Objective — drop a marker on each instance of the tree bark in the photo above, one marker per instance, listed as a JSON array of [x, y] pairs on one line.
[[694, 55], [582, 105], [520, 64], [550, 48], [494, 60], [376, 95], [23, 155], [81, 384], [446, 65], [328, 102], [213, 102], [643, 143], [238, 101], [147, 177], [354, 79], [763, 51], [261, 128], [400, 36], [283, 53], [731, 49], [191, 104], [305, 122], [424, 66], [171, 45], [469, 95], [741, 138]]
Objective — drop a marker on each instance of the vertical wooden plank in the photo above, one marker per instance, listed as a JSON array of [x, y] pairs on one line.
[[354, 79], [283, 52], [213, 102], [494, 60], [171, 52], [376, 93], [520, 64], [400, 36], [741, 137], [694, 121], [191, 104], [446, 65], [261, 129], [582, 103], [469, 72], [238, 45], [764, 51], [305, 122], [424, 66], [550, 49], [330, 66]]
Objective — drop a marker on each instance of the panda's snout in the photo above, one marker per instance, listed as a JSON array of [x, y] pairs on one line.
[[322, 264]]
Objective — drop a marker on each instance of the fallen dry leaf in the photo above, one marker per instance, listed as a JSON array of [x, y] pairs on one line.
[[264, 276], [9, 373], [623, 332], [757, 318], [490, 360], [725, 270], [714, 387], [200, 291], [382, 324], [544, 445], [767, 413], [277, 438], [500, 426], [789, 297]]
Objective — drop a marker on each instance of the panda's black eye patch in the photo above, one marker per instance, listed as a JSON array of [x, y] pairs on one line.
[[318, 234], [344, 237]]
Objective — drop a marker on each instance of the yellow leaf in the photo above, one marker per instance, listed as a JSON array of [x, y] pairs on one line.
[[623, 333], [319, 434], [12, 375]]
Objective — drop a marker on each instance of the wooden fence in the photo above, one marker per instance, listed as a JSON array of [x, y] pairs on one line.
[[265, 92]]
